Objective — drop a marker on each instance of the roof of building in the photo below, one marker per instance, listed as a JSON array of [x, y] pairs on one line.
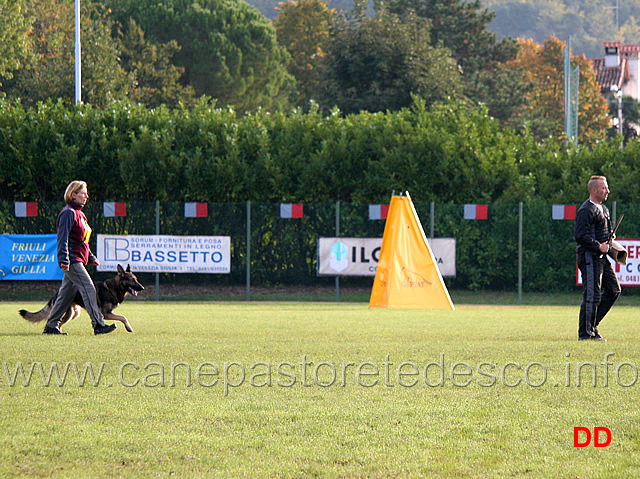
[[610, 76], [622, 48]]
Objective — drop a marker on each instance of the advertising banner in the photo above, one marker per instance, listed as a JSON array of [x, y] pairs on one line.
[[359, 256], [628, 274], [165, 254], [348, 256], [444, 250], [29, 257]]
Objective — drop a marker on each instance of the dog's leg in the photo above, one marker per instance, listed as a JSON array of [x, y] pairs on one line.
[[72, 313], [122, 319], [68, 316]]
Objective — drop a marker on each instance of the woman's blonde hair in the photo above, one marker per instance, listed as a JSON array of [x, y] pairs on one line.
[[72, 189]]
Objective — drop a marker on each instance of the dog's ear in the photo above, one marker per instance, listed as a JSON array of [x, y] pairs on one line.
[[128, 268], [120, 270]]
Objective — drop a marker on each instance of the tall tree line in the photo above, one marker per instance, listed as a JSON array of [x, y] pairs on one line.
[[435, 50], [173, 52], [152, 53]]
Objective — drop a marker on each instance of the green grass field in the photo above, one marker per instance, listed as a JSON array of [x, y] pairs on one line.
[[329, 390]]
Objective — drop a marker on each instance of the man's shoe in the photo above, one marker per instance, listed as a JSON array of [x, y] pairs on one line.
[[107, 328], [48, 330], [592, 338]]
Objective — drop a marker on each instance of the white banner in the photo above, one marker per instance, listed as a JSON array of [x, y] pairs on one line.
[[348, 256], [359, 256], [628, 274], [444, 250], [165, 254]]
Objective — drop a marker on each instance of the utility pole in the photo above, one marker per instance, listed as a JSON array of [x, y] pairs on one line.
[[617, 9], [78, 61]]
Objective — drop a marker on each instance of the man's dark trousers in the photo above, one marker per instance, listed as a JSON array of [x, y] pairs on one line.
[[600, 291]]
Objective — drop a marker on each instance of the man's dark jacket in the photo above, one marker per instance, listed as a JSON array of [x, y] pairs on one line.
[[593, 227]]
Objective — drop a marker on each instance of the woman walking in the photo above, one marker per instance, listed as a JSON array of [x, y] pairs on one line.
[[73, 256]]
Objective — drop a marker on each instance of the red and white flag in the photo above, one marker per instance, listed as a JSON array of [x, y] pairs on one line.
[[563, 212], [378, 212], [196, 210], [24, 209], [291, 210], [476, 212], [111, 208]]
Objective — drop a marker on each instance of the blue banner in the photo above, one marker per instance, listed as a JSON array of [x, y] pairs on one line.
[[29, 257]]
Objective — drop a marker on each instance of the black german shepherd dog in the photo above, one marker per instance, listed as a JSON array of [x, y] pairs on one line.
[[109, 293]]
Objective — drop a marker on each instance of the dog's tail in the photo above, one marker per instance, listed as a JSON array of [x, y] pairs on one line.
[[41, 315]]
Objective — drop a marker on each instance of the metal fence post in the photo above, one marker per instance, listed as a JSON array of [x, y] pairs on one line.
[[157, 234], [432, 221], [337, 236], [248, 273], [520, 214]]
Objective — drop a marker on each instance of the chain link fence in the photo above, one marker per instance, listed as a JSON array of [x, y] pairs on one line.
[[517, 246]]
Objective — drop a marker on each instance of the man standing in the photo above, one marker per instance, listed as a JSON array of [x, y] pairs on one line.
[[593, 232]]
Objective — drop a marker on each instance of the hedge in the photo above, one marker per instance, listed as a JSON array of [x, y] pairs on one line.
[[449, 154]]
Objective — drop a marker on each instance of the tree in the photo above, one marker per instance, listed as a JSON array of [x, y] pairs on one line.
[[303, 28], [630, 116], [50, 74], [543, 65], [157, 80], [376, 64], [228, 50], [14, 29], [457, 25], [461, 27]]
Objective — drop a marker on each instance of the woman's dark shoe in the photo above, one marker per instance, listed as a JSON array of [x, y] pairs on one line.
[[48, 330], [107, 328]]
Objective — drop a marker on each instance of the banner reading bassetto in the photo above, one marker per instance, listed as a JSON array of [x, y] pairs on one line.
[[165, 254]]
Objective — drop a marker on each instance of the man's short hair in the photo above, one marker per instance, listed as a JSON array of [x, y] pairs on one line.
[[594, 180]]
